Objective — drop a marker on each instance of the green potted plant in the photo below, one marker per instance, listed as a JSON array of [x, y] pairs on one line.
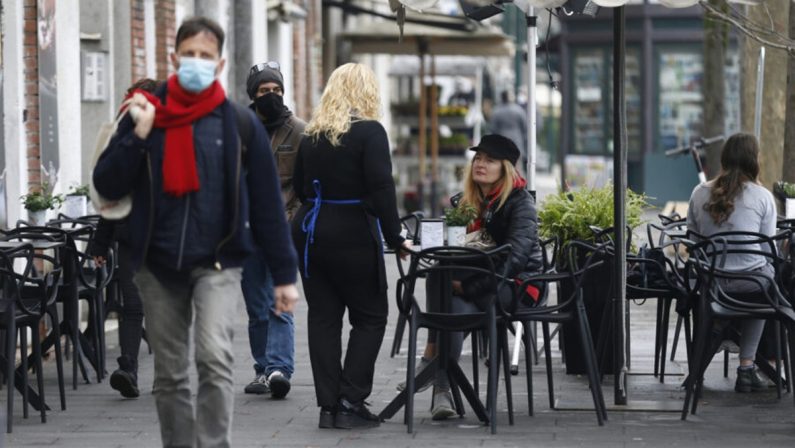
[[457, 220], [569, 216], [76, 202], [37, 202], [786, 192]]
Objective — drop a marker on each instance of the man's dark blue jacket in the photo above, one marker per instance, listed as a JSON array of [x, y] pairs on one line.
[[254, 209]]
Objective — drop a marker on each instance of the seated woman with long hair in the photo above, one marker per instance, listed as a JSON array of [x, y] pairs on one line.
[[507, 215], [735, 201]]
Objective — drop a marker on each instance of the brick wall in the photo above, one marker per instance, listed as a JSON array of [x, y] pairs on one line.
[[31, 74], [165, 34], [138, 40]]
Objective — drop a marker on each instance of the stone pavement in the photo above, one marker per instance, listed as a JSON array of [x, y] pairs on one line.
[[97, 417]]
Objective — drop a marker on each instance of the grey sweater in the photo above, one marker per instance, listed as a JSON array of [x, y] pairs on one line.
[[754, 211]]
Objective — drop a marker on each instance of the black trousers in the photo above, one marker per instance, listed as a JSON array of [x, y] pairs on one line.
[[132, 311], [340, 279]]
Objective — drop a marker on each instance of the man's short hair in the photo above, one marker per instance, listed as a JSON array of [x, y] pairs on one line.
[[196, 25]]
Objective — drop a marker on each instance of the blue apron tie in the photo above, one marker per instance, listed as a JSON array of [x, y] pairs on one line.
[[310, 220]]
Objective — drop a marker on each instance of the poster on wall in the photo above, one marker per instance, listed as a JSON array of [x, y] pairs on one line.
[[48, 92]]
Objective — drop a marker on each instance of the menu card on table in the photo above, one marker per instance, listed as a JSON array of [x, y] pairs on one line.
[[431, 233]]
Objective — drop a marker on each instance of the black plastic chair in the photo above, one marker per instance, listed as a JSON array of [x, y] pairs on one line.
[[411, 223], [26, 298], [582, 259], [446, 261], [706, 259]]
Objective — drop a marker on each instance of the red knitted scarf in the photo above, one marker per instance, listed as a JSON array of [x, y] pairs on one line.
[[176, 116]]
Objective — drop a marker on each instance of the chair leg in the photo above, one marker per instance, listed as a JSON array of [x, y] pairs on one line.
[[777, 347], [657, 336], [528, 365], [506, 366], [666, 315], [785, 358], [676, 336], [410, 372], [688, 336], [11, 348], [493, 372], [399, 329], [548, 360], [791, 340], [56, 331], [590, 361], [36, 343], [23, 351], [475, 337]]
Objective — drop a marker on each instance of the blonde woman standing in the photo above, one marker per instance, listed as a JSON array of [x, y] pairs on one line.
[[343, 178]]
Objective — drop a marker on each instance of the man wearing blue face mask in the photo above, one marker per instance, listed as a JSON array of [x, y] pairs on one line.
[[185, 154], [271, 336]]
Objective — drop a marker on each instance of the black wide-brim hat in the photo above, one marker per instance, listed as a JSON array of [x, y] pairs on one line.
[[498, 147]]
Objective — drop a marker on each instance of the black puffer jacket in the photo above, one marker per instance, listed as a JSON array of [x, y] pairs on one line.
[[516, 223]]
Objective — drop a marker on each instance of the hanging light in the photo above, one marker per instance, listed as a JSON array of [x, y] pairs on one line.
[[679, 3]]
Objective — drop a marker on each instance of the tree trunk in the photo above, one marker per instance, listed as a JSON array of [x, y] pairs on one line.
[[789, 131], [774, 95], [715, 41]]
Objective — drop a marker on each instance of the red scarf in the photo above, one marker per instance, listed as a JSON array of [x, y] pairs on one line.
[[176, 116]]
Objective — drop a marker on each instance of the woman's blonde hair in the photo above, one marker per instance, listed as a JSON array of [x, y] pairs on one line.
[[351, 94], [472, 195]]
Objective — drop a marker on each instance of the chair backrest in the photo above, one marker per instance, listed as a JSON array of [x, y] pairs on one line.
[[453, 261], [706, 258], [582, 258], [31, 289]]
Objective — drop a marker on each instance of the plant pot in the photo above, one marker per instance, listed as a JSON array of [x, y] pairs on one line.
[[38, 217], [75, 206], [596, 294], [456, 235], [789, 208]]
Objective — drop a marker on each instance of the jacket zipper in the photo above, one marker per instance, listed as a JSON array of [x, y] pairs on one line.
[[235, 216], [151, 207], [184, 232]]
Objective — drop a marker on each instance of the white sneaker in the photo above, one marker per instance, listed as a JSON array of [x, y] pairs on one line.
[[442, 407], [279, 384]]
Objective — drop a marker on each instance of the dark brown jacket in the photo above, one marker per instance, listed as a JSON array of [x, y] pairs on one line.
[[284, 143]]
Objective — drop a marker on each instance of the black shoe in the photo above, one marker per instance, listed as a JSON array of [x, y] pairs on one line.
[[258, 386], [279, 384], [748, 380], [327, 416], [355, 416], [126, 383]]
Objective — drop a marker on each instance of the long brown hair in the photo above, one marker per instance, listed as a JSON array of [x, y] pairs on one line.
[[739, 164], [472, 195]]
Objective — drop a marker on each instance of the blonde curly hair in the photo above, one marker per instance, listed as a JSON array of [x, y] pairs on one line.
[[351, 94]]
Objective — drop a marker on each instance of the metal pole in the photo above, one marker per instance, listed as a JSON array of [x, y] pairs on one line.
[[532, 43], [619, 216], [760, 87], [434, 140], [422, 133], [478, 103]]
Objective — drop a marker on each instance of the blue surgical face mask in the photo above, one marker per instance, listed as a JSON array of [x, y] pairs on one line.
[[196, 74]]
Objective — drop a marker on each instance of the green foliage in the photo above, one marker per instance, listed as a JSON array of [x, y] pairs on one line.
[[461, 215], [78, 190], [569, 215], [43, 199], [785, 189]]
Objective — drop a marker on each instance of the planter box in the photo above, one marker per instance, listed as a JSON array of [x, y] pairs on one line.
[[75, 206], [596, 292], [789, 208], [37, 218]]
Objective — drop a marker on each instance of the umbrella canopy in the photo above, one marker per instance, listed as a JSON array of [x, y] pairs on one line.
[[380, 39]]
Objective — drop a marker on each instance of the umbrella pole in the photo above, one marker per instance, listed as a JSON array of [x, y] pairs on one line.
[[619, 215], [434, 140], [532, 43], [422, 134]]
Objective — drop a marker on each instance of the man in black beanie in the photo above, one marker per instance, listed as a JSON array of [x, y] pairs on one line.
[[271, 336]]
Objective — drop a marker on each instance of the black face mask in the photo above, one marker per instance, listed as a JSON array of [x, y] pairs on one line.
[[270, 106]]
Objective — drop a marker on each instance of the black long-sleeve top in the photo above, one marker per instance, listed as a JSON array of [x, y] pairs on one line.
[[360, 167]]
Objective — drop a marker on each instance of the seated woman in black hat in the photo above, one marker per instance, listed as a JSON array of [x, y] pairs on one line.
[[507, 214]]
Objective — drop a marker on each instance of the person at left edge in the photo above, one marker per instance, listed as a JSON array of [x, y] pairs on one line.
[[196, 216]]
